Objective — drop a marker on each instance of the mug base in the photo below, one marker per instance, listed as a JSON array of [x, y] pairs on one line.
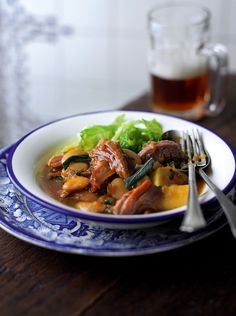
[[193, 115]]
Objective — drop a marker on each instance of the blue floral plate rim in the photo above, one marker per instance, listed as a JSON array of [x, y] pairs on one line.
[[33, 223]]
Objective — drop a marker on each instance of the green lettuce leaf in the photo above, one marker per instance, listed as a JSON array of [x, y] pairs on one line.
[[90, 136], [131, 134], [134, 134], [153, 130]]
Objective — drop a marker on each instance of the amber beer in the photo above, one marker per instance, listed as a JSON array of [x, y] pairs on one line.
[[179, 95]]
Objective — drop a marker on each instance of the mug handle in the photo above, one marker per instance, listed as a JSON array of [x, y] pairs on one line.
[[219, 54]]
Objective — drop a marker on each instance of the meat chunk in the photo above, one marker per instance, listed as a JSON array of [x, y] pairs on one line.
[[106, 159], [111, 152], [55, 161], [142, 198], [100, 173], [164, 151]]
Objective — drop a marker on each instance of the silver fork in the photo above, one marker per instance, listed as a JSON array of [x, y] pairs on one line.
[[204, 159], [193, 218]]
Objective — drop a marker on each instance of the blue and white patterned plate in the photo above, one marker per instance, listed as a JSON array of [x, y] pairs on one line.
[[23, 164], [40, 226]]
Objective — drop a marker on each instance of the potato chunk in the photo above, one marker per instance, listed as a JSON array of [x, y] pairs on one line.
[[173, 196], [74, 184], [167, 176], [73, 169], [116, 188], [95, 206]]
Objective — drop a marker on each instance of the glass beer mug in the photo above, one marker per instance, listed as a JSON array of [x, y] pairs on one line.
[[181, 60]]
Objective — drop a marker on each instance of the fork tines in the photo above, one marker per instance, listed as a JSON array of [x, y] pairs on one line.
[[202, 151], [192, 143]]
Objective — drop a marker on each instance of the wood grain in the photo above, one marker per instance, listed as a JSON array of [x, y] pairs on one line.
[[199, 279]]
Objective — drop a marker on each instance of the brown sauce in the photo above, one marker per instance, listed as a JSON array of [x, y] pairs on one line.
[[53, 187]]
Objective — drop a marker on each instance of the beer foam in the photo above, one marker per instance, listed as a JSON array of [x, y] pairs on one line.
[[179, 66]]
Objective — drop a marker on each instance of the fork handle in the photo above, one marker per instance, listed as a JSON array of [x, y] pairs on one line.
[[193, 218], [227, 205]]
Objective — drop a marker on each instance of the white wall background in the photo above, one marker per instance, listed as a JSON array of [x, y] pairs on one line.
[[103, 65]]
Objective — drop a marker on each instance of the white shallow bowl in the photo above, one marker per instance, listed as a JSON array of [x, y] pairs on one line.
[[34, 149]]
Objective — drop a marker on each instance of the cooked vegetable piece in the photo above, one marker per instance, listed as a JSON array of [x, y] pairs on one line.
[[134, 157], [74, 169], [143, 171], [96, 206], [85, 196], [172, 196], [76, 158], [74, 184], [75, 151], [116, 188], [168, 175]]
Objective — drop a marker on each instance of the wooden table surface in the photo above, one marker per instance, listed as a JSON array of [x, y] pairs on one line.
[[199, 279]]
